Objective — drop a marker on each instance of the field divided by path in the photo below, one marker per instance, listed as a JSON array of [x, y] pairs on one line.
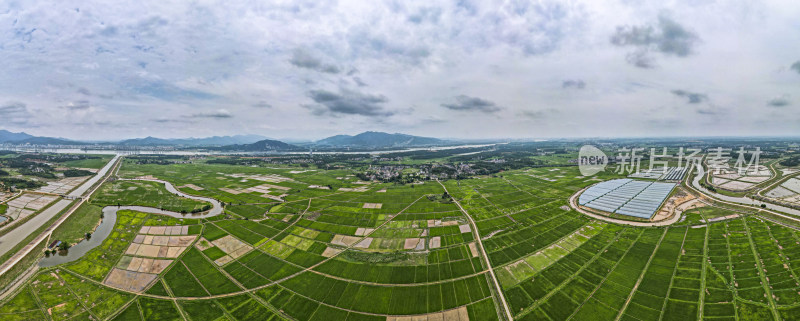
[[355, 254], [374, 251], [744, 268]]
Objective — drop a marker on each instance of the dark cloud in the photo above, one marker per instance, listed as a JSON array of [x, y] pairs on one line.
[[168, 120], [691, 97], [712, 109], [779, 101], [218, 114], [347, 102], [367, 42], [796, 67], [262, 104], [641, 59], [537, 114], [13, 107], [667, 37], [707, 111], [109, 31], [359, 82], [302, 59], [84, 91], [93, 123], [466, 103], [432, 120], [548, 23], [430, 14], [577, 84], [15, 112], [148, 27], [468, 6], [166, 91], [675, 39], [633, 36], [78, 105]]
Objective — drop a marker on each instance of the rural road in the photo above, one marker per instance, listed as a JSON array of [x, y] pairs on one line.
[[474, 227], [776, 182], [78, 192], [19, 233], [739, 200]]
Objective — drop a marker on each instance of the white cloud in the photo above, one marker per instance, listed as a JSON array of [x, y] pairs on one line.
[[219, 114], [153, 62]]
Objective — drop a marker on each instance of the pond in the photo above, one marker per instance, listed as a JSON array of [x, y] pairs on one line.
[[78, 250]]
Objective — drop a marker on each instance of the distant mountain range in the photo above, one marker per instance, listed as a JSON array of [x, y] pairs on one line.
[[379, 140], [249, 143], [260, 146], [194, 142], [23, 138], [7, 136]]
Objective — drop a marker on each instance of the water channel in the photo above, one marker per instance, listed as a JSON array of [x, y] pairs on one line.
[[110, 219]]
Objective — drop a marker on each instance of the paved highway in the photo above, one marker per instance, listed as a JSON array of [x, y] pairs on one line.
[[19, 233]]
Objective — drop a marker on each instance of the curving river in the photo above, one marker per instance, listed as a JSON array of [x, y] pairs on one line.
[[110, 219], [215, 210]]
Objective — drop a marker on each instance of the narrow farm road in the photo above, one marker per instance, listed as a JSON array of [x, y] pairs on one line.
[[485, 258]]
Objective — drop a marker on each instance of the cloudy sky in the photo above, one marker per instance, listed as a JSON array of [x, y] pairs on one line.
[[469, 69]]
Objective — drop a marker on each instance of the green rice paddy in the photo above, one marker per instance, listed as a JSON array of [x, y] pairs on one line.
[[141, 193], [332, 254]]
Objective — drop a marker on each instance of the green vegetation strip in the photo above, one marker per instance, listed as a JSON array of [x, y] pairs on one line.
[[18, 270]]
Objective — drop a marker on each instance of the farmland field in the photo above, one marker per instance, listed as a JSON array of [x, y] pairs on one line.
[[150, 194], [374, 251], [458, 160], [51, 173]]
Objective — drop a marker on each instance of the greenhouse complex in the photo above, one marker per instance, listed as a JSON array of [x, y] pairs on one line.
[[627, 197]]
